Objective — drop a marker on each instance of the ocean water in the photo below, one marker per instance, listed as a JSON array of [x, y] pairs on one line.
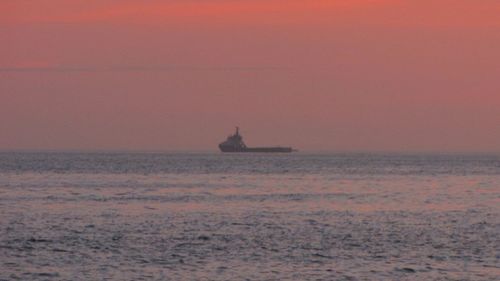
[[212, 216]]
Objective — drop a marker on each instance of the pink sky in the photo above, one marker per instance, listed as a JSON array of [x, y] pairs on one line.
[[318, 75]]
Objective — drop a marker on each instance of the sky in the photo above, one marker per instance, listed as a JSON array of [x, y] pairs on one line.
[[379, 75]]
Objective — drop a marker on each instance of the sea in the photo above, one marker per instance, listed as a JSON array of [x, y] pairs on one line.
[[214, 216]]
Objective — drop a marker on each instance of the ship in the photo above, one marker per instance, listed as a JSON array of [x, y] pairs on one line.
[[234, 143]]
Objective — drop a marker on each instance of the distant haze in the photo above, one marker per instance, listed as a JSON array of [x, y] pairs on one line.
[[316, 75]]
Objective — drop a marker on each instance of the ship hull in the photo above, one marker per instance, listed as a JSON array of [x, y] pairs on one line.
[[276, 149]]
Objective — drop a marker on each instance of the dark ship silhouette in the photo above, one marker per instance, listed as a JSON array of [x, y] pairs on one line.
[[234, 143]]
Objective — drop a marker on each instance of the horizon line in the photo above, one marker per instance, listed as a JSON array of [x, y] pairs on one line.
[[216, 151]]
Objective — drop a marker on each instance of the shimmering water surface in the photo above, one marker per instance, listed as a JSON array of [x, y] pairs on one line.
[[191, 216]]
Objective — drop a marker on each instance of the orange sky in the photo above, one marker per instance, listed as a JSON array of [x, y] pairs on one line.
[[319, 75]]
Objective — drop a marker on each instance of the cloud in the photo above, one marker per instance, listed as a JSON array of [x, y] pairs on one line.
[[430, 13], [139, 68], [177, 11]]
